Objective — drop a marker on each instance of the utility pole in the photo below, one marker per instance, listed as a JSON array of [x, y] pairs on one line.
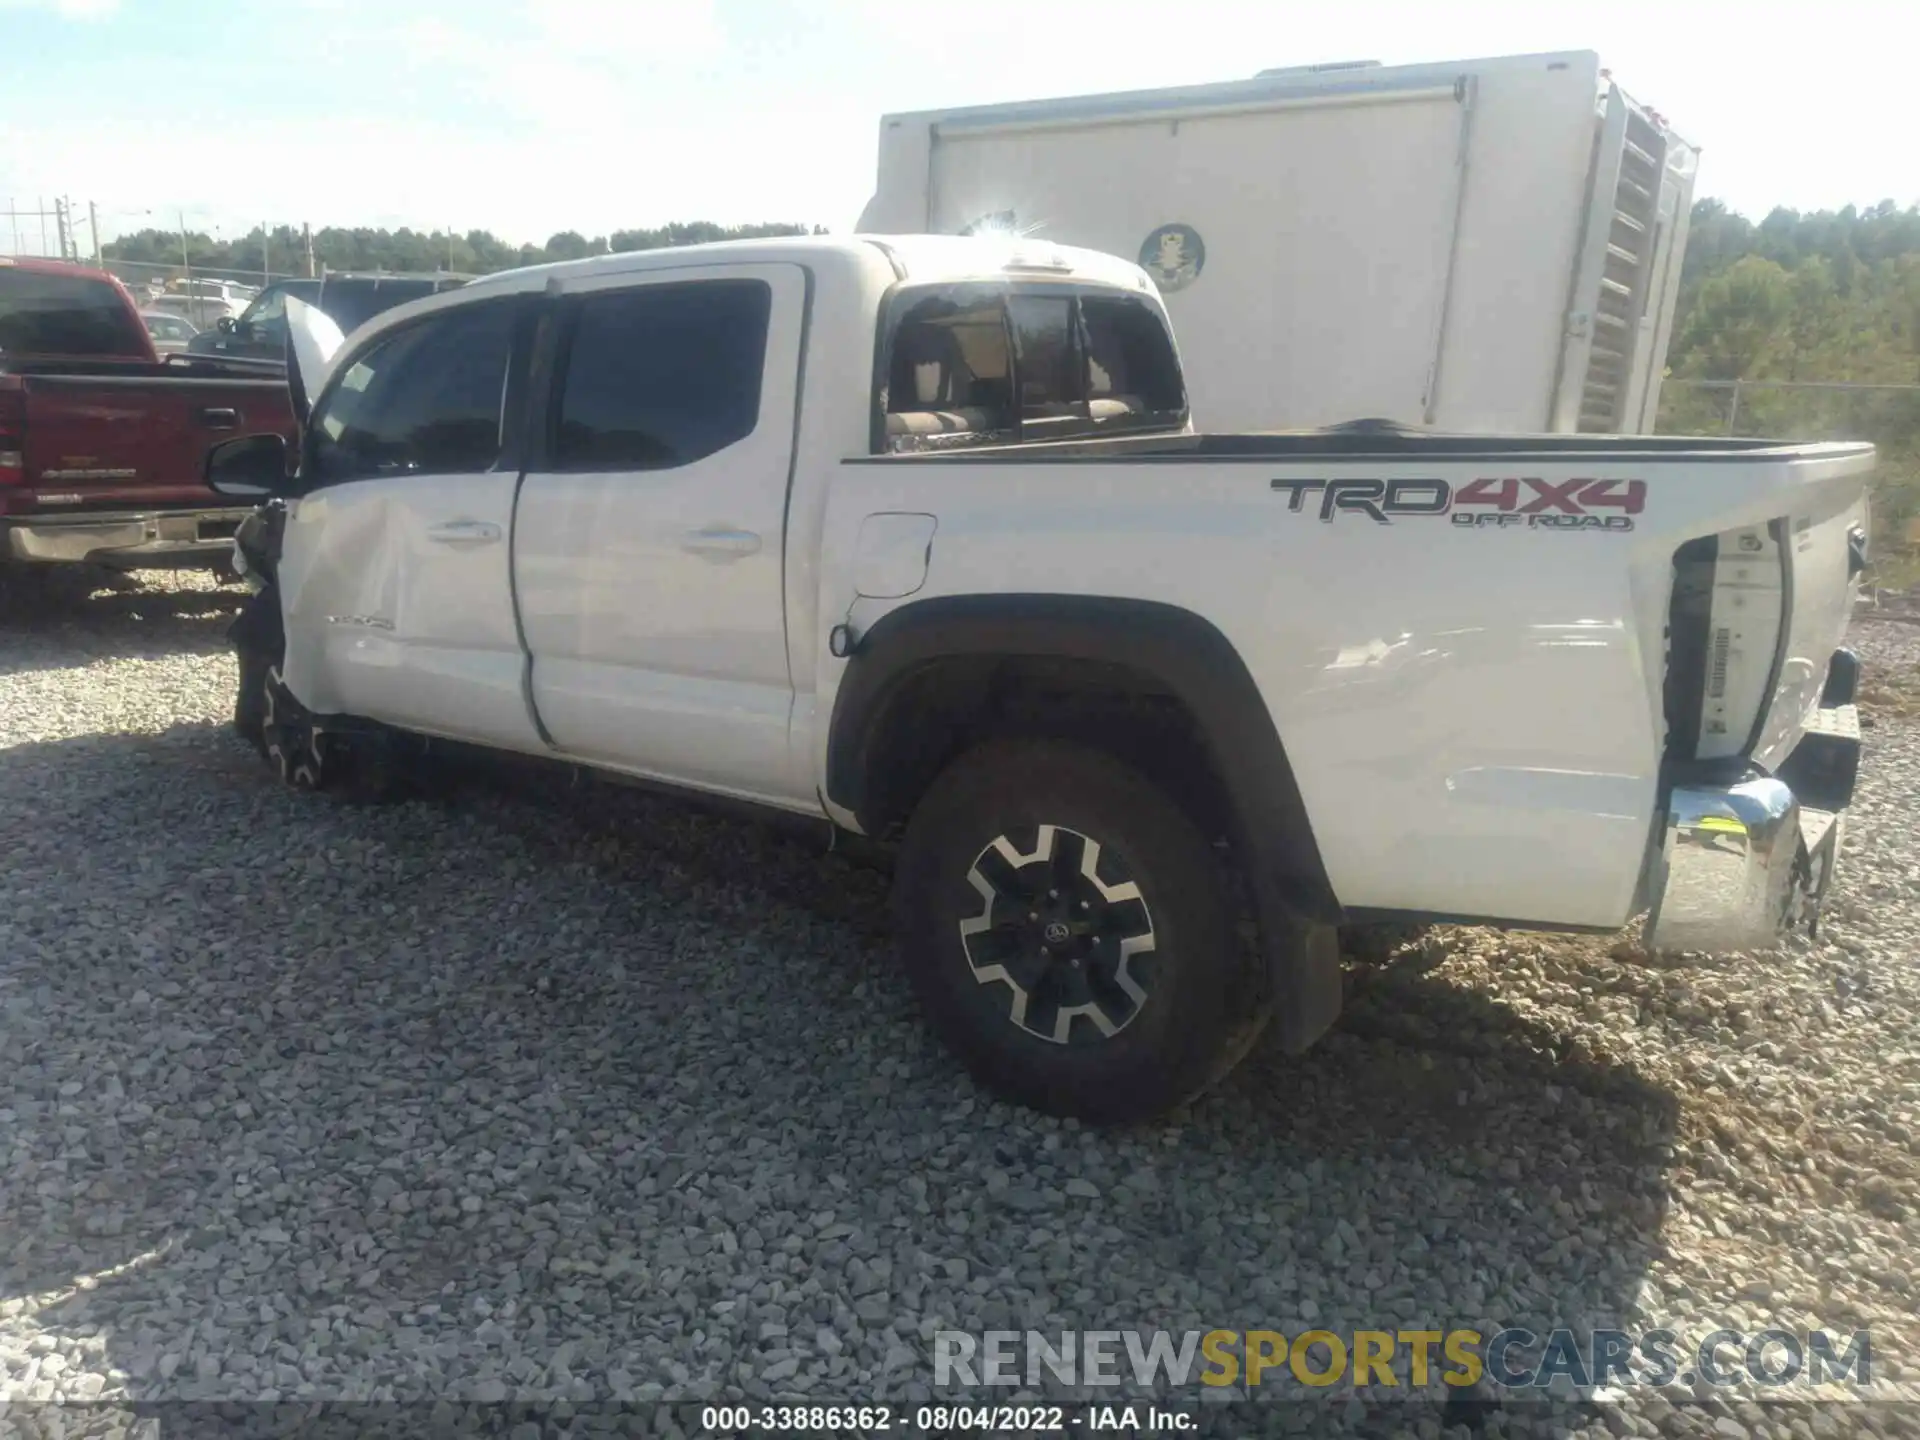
[[13, 220], [42, 203], [93, 224], [60, 226], [266, 254], [186, 263], [308, 229]]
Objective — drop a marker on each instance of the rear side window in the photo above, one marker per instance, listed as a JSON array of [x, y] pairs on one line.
[[50, 314], [662, 375], [425, 400]]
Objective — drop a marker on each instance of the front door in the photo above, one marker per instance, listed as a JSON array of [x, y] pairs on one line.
[[651, 535], [394, 571]]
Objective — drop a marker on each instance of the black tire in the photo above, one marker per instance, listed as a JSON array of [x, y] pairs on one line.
[[1197, 1003], [250, 697], [259, 643], [294, 746]]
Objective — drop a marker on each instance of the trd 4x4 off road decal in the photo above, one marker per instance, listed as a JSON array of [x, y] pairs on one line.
[[1526, 501]]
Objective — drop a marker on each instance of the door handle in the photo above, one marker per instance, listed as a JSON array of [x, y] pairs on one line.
[[718, 543], [464, 532], [218, 417]]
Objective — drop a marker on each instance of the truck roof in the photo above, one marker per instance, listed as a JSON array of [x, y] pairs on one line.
[[914, 257]]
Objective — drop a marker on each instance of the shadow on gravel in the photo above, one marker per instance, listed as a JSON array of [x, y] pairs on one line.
[[309, 1099], [68, 616]]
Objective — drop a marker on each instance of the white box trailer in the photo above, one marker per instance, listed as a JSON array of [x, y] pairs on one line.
[[1483, 245]]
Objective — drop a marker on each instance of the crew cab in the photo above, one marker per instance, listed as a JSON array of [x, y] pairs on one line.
[[914, 537], [102, 445]]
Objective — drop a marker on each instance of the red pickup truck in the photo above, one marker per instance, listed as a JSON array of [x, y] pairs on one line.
[[102, 445]]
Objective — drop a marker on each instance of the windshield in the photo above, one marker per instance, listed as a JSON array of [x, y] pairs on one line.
[[52, 314]]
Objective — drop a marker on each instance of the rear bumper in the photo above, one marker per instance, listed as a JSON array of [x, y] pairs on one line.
[[1743, 865], [127, 539]]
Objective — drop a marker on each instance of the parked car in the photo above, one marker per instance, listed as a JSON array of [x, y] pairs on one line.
[[203, 312], [169, 333], [351, 299], [915, 538], [102, 445]]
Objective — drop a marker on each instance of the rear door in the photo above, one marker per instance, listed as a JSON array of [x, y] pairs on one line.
[[650, 538], [394, 575]]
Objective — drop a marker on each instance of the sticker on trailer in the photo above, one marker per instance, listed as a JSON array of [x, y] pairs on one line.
[[1174, 255]]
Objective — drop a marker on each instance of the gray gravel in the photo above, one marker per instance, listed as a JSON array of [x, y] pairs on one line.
[[590, 1096]]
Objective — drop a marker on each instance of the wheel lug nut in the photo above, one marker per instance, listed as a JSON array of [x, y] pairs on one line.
[[1033, 915], [1053, 894]]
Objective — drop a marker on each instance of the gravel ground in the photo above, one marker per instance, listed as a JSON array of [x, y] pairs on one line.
[[591, 1097]]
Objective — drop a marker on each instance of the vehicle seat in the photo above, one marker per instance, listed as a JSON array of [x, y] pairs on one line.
[[931, 391]]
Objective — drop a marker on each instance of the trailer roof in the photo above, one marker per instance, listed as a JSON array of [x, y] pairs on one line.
[[1262, 89]]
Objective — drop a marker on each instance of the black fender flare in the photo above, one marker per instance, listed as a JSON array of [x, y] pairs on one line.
[[1187, 655]]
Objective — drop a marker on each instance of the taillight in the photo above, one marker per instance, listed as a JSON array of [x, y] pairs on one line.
[[13, 431]]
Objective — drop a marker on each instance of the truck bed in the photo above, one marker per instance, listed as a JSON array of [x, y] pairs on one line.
[[1465, 640]]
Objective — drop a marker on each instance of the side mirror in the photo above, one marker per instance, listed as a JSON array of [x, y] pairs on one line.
[[225, 324], [251, 467]]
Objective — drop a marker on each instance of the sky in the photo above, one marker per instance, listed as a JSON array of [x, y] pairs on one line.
[[527, 117]]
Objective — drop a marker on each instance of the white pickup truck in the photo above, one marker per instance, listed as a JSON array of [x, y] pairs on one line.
[[914, 537]]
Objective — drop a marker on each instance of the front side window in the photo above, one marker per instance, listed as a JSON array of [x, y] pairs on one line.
[[425, 400], [662, 375]]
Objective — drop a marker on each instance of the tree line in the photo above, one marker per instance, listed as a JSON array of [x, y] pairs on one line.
[[1829, 296], [283, 249]]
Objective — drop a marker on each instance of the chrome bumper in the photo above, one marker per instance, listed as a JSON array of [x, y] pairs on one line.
[[128, 540], [1741, 866]]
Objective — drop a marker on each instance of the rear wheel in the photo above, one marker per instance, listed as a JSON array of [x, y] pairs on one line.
[[1072, 933]]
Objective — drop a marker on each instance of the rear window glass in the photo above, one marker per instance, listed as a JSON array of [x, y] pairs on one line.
[[1130, 362], [1083, 363], [52, 314], [1050, 379]]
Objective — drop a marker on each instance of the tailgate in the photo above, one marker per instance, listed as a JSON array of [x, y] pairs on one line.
[[112, 441]]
